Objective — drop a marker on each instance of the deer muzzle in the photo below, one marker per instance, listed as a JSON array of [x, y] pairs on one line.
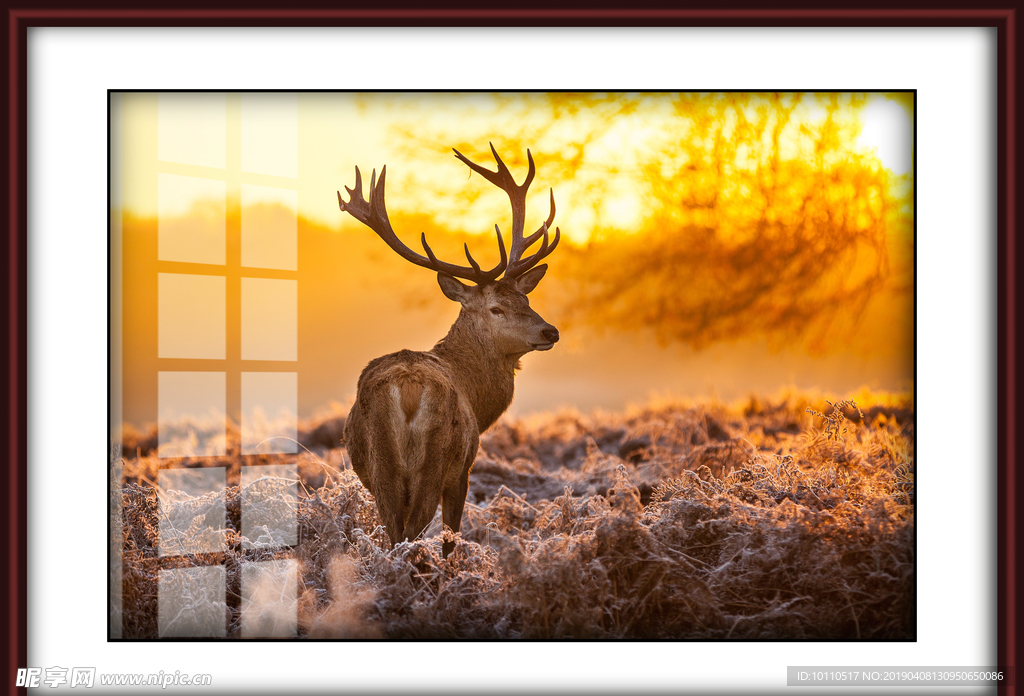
[[550, 336]]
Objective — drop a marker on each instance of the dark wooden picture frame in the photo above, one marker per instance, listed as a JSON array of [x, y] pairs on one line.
[[15, 309]]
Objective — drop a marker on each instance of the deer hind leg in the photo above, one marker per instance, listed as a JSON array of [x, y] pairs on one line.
[[392, 500], [439, 453], [453, 501], [423, 500], [377, 459], [393, 506]]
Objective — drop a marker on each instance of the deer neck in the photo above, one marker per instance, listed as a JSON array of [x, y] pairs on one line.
[[484, 376]]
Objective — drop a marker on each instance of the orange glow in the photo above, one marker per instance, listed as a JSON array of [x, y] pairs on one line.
[[730, 244]]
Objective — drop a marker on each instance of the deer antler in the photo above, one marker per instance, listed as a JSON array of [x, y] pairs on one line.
[[517, 195], [374, 215]]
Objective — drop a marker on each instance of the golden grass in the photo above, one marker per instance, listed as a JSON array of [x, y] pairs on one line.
[[673, 521]]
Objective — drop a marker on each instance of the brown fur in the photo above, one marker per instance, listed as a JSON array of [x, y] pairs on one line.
[[411, 391], [414, 430]]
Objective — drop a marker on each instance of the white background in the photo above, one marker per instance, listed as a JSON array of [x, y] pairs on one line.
[[69, 73]]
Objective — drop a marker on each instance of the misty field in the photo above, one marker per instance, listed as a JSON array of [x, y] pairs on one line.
[[781, 518]]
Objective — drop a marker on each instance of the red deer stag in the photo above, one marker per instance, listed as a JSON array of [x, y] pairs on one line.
[[414, 430]]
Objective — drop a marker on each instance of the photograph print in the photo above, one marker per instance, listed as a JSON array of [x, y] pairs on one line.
[[477, 366]]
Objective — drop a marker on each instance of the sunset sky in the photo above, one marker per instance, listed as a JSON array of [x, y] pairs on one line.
[[197, 171], [339, 131]]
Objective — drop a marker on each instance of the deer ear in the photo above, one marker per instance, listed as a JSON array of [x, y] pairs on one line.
[[528, 281], [452, 289]]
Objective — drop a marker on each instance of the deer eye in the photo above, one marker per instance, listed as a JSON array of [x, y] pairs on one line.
[[497, 311]]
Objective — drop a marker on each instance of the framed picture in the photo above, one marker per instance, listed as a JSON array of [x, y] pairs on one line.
[[763, 238], [250, 467]]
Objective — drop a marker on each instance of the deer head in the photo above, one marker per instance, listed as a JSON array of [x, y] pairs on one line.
[[500, 314], [494, 310]]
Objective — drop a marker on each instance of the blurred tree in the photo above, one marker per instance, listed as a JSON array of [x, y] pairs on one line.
[[757, 214]]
